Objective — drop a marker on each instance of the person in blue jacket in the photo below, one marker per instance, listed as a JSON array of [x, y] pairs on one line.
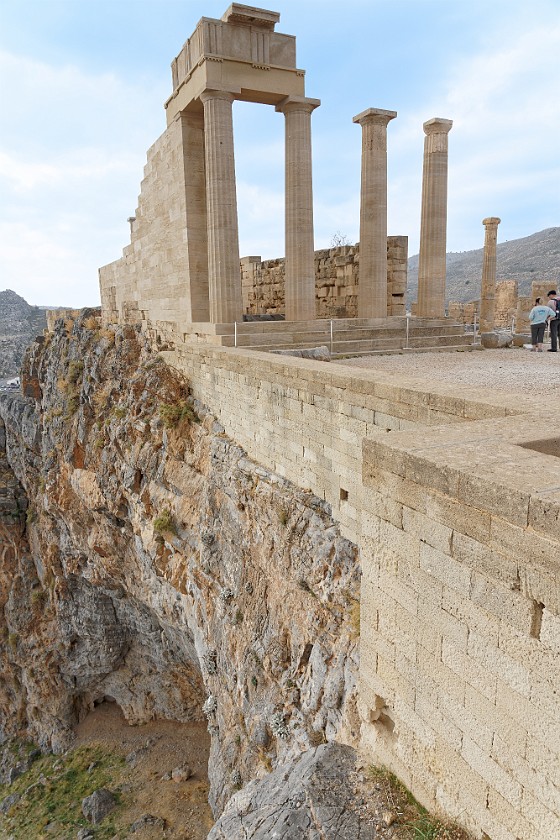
[[538, 317]]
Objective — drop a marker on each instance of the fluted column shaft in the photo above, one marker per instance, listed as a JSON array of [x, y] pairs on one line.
[[433, 225], [488, 286], [372, 287], [224, 273], [300, 245]]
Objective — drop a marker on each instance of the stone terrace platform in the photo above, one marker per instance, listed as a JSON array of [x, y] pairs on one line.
[[343, 336]]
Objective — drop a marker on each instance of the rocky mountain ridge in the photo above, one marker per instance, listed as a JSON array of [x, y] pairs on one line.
[[19, 324], [535, 257]]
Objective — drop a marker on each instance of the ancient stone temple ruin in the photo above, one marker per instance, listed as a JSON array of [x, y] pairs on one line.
[[183, 261], [181, 275], [447, 495]]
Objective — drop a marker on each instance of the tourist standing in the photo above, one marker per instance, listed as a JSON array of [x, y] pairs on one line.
[[538, 317], [554, 303]]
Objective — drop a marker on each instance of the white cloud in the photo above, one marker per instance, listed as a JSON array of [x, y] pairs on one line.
[[71, 177], [503, 148]]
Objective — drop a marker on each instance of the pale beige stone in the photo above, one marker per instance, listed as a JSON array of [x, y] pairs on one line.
[[433, 224], [488, 287], [300, 250], [372, 296]]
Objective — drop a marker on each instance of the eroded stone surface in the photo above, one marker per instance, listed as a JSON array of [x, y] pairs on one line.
[[308, 797]]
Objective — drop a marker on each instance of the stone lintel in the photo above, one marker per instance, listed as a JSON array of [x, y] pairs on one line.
[[298, 103], [438, 125], [374, 115], [251, 16], [491, 220]]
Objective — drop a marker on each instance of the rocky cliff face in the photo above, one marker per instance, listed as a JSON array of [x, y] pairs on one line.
[[19, 324], [158, 566]]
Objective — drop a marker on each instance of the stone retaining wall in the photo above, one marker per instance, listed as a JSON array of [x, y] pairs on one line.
[[460, 624], [457, 521]]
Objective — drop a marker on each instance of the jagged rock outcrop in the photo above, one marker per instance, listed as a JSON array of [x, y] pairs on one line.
[[19, 324], [310, 797], [164, 569]]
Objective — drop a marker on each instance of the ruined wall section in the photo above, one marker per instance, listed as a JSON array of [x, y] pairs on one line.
[[336, 281]]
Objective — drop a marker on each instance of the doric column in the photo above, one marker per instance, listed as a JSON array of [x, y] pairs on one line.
[[300, 246], [488, 286], [433, 225], [224, 273], [372, 288]]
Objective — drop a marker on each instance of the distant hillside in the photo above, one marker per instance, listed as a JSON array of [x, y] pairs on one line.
[[19, 324], [535, 257]]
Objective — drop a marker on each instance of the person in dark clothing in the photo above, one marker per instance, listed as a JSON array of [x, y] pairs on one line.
[[554, 323]]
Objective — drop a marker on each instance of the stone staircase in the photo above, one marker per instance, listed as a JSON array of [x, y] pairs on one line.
[[352, 336]]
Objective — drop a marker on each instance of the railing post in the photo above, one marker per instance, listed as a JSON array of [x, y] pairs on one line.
[[474, 341]]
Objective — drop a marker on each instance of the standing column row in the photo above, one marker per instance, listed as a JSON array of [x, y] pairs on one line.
[[300, 245], [433, 224], [224, 277], [372, 287]]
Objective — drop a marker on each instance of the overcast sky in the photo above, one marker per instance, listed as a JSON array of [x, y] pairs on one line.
[[82, 86]]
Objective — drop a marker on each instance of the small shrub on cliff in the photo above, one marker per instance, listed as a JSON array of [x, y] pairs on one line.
[[73, 401], [91, 322], [278, 725], [164, 523], [173, 413], [75, 372], [13, 639]]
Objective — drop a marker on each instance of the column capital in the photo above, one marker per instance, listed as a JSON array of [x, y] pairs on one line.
[[375, 116], [437, 125], [298, 103], [491, 221], [215, 93]]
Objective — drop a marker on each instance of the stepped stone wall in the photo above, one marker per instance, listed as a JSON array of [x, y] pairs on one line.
[[336, 281]]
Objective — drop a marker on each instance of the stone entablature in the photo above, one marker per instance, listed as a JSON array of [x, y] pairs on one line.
[[336, 281], [258, 60]]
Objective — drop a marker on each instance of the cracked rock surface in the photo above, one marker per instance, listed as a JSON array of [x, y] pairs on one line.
[[309, 797], [148, 561]]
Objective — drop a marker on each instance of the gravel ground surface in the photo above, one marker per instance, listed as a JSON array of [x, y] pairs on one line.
[[514, 370]]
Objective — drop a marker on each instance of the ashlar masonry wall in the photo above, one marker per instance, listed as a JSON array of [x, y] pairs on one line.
[[306, 420], [336, 281], [460, 605], [454, 502], [149, 280]]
